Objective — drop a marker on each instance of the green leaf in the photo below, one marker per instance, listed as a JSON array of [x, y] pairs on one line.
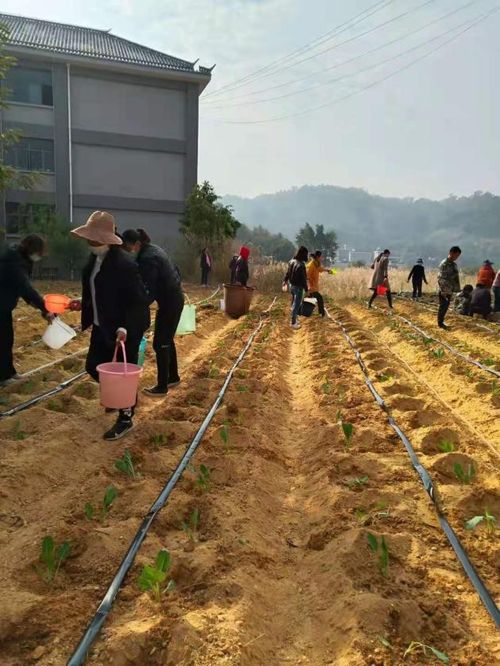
[[48, 551], [163, 560], [439, 655], [372, 542], [109, 496], [348, 429], [89, 511], [121, 466], [473, 522], [384, 642], [63, 551]]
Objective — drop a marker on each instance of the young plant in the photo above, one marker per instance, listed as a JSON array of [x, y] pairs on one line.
[[382, 549], [348, 430], [126, 465], [357, 482], [158, 440], [153, 576], [489, 520], [17, 431], [213, 371], [446, 446], [52, 557], [367, 516], [242, 388], [203, 478], [465, 476], [224, 435], [415, 645], [488, 361], [326, 387], [191, 525], [109, 497], [438, 353], [382, 377]]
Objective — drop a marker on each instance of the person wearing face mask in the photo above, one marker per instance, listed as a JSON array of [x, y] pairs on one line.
[[162, 281], [16, 265], [114, 302]]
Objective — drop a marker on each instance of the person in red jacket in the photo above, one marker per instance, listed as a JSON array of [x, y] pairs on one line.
[[486, 275]]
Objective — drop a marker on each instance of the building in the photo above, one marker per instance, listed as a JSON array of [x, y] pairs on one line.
[[109, 124]]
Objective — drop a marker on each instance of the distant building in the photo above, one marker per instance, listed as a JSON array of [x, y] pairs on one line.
[[109, 123]]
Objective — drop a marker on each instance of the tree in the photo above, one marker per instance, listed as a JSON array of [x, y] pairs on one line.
[[206, 221], [10, 177], [270, 245], [318, 239]]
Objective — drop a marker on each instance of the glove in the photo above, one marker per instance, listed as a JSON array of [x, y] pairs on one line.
[[75, 305]]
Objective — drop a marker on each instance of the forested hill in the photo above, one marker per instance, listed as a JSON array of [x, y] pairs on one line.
[[409, 227]]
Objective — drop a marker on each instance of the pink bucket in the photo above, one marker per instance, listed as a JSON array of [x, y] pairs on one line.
[[118, 382], [381, 290]]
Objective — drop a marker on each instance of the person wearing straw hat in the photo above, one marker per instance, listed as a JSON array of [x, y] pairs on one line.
[[114, 303], [16, 265], [163, 283]]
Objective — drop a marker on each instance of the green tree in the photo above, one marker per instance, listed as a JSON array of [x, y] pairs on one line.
[[269, 244], [10, 177], [318, 239], [206, 221]]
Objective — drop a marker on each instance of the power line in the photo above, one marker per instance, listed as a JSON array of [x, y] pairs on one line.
[[220, 105], [362, 16], [364, 88], [335, 46]]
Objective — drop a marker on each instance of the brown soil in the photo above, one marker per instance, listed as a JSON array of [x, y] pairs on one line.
[[279, 570]]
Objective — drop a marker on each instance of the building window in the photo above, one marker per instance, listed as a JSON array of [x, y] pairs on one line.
[[30, 86], [20, 218], [31, 155]]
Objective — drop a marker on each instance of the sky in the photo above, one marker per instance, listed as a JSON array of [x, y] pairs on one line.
[[429, 130]]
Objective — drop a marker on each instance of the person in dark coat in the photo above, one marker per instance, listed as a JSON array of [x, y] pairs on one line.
[[417, 277], [205, 266], [241, 272], [232, 268], [16, 265], [114, 302], [296, 279], [481, 301], [163, 283]]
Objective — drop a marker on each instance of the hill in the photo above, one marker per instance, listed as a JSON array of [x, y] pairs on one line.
[[409, 227]]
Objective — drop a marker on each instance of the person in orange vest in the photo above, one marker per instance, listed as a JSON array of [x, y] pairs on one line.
[[486, 274], [314, 269]]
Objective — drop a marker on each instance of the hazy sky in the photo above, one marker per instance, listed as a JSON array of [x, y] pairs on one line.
[[429, 130]]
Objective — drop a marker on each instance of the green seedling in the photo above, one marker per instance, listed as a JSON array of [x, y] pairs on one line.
[[465, 476], [213, 371], [109, 497], [489, 520], [384, 378], [446, 446], [126, 465], [89, 511], [224, 435], [243, 389], [383, 640], [158, 440], [348, 430], [488, 361], [428, 341], [52, 557], [496, 390], [375, 547], [203, 478], [326, 387], [357, 482], [367, 516], [17, 431], [416, 646], [153, 576], [438, 353], [191, 525]]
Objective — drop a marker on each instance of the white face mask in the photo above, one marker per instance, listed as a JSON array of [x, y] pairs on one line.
[[35, 257], [99, 250]]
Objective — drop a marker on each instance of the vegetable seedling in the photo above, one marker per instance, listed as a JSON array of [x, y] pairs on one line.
[[203, 478], [348, 430], [126, 465], [357, 482], [446, 446], [489, 520], [153, 576], [465, 476], [191, 525], [52, 557], [158, 440], [17, 431], [224, 435], [243, 389], [488, 361], [375, 547], [213, 371], [415, 645], [109, 497], [326, 387], [438, 353]]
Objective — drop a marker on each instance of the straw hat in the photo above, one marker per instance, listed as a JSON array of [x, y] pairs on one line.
[[100, 228]]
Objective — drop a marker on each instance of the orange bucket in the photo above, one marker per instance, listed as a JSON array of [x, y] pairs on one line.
[[56, 303], [381, 290]]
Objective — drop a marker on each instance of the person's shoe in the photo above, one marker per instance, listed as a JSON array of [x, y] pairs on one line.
[[173, 383], [119, 430], [11, 380], [155, 391], [445, 327], [295, 326]]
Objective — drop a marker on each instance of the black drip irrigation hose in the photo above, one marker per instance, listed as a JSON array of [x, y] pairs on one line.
[[79, 655], [42, 396], [426, 336], [27, 374], [428, 484]]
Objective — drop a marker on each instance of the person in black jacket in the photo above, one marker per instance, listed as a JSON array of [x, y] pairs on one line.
[[296, 279], [164, 286], [114, 302], [16, 265], [205, 266], [481, 301], [417, 276], [241, 272]]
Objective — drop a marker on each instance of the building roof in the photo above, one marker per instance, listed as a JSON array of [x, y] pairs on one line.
[[88, 43]]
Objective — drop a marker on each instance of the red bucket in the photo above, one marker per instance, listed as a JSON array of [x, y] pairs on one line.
[[118, 382], [381, 290]]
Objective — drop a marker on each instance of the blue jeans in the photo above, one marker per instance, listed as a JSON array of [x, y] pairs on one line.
[[297, 294]]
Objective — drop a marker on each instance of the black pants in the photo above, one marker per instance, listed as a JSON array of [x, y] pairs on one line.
[[204, 275], [374, 296], [101, 350], [444, 304], [321, 303], [166, 322], [417, 288], [7, 369]]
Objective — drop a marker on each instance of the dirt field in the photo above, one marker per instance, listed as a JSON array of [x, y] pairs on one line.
[[278, 568]]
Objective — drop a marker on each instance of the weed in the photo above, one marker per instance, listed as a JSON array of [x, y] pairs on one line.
[[158, 440], [109, 497], [152, 576], [415, 645], [191, 525], [465, 476], [17, 431], [438, 353], [126, 465], [357, 482], [375, 546], [446, 446], [224, 435], [487, 518], [52, 557]]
